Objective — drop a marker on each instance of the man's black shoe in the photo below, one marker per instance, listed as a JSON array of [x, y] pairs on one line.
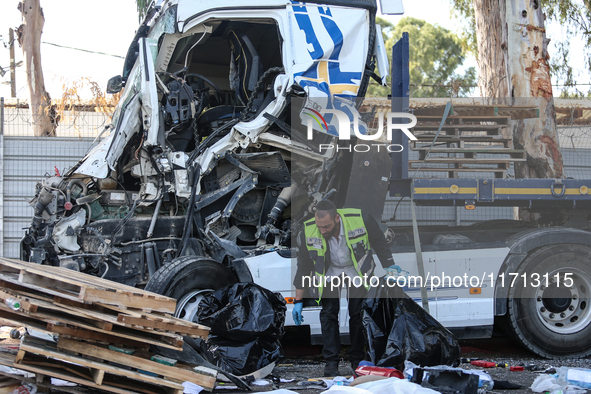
[[354, 365], [331, 369]]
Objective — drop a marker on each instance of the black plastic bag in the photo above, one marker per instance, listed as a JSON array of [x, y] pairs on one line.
[[398, 329], [243, 312], [241, 358], [446, 381], [246, 322]]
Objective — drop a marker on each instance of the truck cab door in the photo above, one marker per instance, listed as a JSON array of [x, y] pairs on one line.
[[149, 94]]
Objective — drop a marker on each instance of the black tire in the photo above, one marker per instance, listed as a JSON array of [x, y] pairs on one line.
[[187, 274], [551, 318]]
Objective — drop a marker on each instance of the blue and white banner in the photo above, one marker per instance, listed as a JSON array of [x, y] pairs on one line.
[[329, 46]]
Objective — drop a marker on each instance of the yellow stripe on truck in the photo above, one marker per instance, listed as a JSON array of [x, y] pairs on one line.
[[497, 191], [535, 191], [444, 190]]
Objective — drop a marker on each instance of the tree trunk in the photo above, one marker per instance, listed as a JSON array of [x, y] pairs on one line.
[[528, 52], [493, 64], [29, 38], [513, 69]]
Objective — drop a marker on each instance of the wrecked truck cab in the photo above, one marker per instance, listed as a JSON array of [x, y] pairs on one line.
[[200, 167]]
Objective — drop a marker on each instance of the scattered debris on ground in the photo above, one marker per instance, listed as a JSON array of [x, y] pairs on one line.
[[64, 328]]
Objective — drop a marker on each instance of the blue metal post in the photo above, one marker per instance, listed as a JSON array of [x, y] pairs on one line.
[[399, 180]]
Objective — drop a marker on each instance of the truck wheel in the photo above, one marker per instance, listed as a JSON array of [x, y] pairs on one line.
[[189, 279], [549, 306]]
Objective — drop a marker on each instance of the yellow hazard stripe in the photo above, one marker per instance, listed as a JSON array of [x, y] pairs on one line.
[[497, 191], [444, 190], [535, 191]]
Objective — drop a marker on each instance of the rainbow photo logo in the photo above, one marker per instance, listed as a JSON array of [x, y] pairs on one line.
[[315, 115], [338, 123]]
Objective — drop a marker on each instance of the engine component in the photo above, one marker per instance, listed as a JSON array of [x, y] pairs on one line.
[[179, 103], [283, 201], [269, 228], [246, 214], [64, 232], [72, 263]]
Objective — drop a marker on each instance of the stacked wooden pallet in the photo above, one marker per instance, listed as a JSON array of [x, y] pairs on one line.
[[96, 321], [473, 139], [8, 384]]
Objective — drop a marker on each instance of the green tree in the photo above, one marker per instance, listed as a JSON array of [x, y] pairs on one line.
[[574, 17], [142, 8], [435, 56]]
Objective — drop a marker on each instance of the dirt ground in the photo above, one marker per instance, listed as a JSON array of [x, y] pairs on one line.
[[302, 363], [498, 349]]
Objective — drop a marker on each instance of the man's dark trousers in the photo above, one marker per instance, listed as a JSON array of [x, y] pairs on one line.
[[329, 323]]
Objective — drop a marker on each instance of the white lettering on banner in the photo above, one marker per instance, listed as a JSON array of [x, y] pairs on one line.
[[392, 148], [344, 125]]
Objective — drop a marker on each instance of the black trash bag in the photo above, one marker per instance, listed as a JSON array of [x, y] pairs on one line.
[[398, 329], [446, 382], [241, 358], [191, 355], [243, 312]]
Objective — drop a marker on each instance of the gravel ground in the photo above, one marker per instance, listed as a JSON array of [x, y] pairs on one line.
[[302, 363], [498, 349]]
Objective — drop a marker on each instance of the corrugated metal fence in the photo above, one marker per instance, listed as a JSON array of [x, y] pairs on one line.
[[25, 160]]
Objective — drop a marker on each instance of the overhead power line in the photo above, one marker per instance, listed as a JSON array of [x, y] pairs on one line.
[[82, 50], [475, 86]]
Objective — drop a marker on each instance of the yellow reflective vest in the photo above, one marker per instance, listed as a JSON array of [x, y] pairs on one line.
[[357, 242]]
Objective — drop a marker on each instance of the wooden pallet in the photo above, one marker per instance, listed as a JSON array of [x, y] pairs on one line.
[[473, 139], [8, 384], [104, 363], [41, 381], [443, 138], [43, 367], [458, 119], [470, 160], [102, 315], [453, 172], [58, 315], [77, 286], [458, 129], [425, 140], [514, 112], [474, 153], [461, 160], [52, 319], [173, 373]]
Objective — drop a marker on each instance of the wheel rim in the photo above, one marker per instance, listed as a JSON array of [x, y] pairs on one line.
[[187, 306], [564, 310]]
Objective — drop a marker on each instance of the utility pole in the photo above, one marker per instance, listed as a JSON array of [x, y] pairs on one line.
[[12, 65]]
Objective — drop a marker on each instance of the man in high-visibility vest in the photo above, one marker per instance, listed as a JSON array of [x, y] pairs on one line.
[[338, 243]]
